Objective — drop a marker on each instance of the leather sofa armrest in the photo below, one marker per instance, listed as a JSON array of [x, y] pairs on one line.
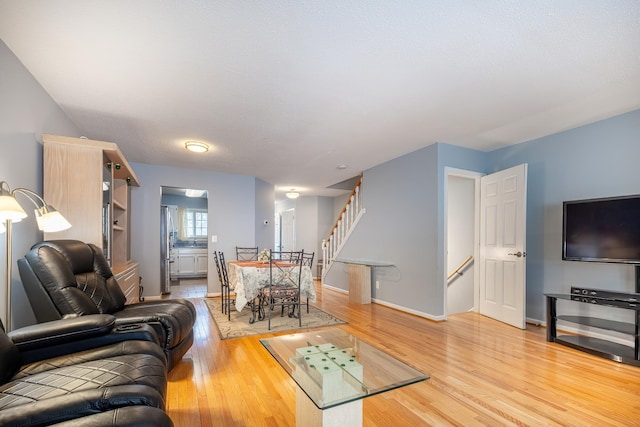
[[101, 331], [64, 331]]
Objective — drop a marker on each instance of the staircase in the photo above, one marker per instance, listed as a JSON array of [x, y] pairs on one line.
[[342, 229]]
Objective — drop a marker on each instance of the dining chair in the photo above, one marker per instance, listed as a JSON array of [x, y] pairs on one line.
[[246, 253], [283, 290], [222, 285], [226, 288], [307, 261]]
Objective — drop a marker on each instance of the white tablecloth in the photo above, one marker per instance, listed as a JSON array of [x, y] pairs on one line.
[[247, 278]]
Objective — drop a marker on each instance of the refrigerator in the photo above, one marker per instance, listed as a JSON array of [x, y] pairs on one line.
[[167, 235]]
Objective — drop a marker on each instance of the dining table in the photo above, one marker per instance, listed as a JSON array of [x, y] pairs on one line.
[[248, 278]]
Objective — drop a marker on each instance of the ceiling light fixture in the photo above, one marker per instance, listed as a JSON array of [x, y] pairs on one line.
[[292, 194], [193, 193], [196, 146]]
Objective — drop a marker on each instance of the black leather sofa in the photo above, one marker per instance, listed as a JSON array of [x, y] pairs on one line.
[[82, 372], [65, 278]]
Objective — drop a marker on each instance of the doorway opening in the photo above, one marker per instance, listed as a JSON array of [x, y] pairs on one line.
[[499, 243], [184, 243], [461, 227], [285, 231]]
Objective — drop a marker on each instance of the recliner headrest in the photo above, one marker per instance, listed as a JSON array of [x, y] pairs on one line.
[[78, 254]]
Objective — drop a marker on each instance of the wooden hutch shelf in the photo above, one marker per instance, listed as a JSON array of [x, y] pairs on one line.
[[89, 182]]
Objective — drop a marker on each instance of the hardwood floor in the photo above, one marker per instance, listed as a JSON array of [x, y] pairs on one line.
[[483, 373]]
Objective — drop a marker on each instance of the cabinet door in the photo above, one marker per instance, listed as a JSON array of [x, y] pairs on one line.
[[202, 264], [173, 266], [72, 182], [186, 264]]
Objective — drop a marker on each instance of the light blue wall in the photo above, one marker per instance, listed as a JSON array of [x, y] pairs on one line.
[[265, 195], [231, 216], [404, 223], [326, 219], [597, 160], [26, 111], [399, 227], [314, 217]]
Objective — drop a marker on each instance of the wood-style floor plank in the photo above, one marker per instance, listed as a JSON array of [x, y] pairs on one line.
[[483, 373]]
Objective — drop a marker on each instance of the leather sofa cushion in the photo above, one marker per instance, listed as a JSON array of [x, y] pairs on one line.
[[130, 416], [74, 405], [106, 352], [128, 369]]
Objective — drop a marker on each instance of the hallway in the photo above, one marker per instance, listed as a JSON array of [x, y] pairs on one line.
[[188, 288]]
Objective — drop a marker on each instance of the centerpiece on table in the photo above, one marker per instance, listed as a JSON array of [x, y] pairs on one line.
[[263, 255]]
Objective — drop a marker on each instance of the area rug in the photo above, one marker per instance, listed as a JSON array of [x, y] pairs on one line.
[[239, 325]]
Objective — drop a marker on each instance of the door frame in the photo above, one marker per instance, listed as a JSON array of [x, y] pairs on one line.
[[475, 176], [293, 229]]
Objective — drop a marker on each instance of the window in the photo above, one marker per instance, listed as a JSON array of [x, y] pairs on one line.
[[196, 223]]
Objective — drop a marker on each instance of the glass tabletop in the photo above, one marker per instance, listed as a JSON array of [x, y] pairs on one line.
[[334, 367]]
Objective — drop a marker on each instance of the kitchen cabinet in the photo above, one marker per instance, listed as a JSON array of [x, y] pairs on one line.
[[190, 262], [202, 261], [173, 269]]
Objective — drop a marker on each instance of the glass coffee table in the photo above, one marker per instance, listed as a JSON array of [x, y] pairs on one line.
[[334, 371]]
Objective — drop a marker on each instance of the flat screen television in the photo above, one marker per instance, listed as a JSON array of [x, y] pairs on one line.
[[602, 230]]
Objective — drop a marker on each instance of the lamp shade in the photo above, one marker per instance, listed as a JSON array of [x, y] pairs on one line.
[[51, 221], [10, 208], [292, 194]]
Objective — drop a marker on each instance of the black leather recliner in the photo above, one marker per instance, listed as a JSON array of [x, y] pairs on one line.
[[64, 278], [118, 379]]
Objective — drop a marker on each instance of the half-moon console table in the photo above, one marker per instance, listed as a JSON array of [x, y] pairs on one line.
[[596, 346], [360, 278]]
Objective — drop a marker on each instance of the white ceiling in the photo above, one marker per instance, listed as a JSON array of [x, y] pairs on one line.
[[287, 90]]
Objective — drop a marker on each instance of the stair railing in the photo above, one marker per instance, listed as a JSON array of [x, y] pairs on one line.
[[460, 267], [344, 225]]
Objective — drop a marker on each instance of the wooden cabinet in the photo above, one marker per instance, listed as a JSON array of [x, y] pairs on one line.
[[128, 277], [89, 182]]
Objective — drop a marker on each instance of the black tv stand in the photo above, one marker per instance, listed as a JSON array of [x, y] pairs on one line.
[[599, 347]]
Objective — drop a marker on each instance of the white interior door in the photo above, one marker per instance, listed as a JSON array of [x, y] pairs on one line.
[[287, 235], [502, 245]]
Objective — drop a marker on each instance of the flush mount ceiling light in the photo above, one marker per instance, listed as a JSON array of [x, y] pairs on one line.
[[196, 146], [193, 193], [293, 194]]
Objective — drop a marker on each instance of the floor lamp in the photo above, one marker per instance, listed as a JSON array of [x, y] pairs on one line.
[[47, 218]]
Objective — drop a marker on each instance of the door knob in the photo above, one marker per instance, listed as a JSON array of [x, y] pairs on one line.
[[519, 254]]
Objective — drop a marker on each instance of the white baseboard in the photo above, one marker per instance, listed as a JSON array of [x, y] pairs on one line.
[[390, 305], [409, 310]]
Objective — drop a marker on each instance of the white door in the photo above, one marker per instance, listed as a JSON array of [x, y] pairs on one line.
[[287, 236], [502, 245]]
